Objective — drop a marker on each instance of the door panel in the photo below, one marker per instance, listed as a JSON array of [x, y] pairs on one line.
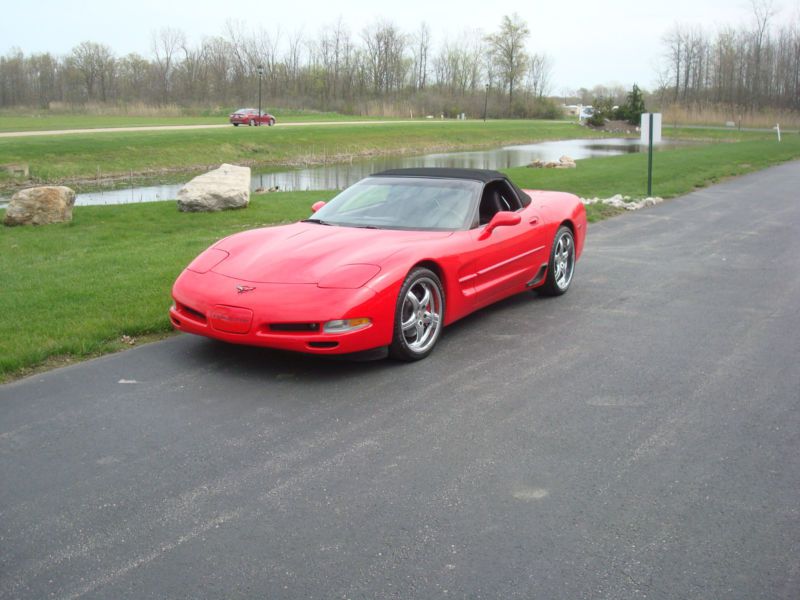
[[509, 258]]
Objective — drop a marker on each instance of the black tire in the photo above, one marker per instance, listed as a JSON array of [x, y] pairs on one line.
[[235, 124], [271, 122], [252, 122], [561, 267], [418, 326]]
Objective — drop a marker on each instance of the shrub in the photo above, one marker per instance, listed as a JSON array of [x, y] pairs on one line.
[[633, 108], [597, 119], [536, 108]]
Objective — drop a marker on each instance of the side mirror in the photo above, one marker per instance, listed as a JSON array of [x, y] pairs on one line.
[[502, 218], [317, 205]]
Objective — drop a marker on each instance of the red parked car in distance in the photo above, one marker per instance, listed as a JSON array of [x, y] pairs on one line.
[[250, 116]]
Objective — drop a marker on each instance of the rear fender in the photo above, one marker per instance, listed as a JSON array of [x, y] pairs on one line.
[[556, 208]]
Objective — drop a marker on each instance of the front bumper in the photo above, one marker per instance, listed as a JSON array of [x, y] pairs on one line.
[[279, 315]]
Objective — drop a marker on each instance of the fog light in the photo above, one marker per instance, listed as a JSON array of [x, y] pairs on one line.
[[345, 325]]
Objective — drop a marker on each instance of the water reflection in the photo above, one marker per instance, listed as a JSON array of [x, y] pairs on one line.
[[339, 176]]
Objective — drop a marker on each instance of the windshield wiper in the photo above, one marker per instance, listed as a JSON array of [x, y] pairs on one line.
[[319, 221]]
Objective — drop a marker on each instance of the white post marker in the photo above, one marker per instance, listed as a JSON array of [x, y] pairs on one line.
[[644, 128], [778, 128]]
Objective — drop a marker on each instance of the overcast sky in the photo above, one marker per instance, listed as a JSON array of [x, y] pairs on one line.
[[589, 41]]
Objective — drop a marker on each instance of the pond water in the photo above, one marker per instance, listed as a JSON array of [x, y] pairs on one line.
[[340, 176]]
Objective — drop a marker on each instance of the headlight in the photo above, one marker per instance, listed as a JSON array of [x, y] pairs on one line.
[[345, 325]]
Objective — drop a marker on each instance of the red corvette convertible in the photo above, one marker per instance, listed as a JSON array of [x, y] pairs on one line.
[[387, 263]]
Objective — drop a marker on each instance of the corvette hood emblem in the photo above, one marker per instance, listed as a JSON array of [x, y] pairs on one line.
[[242, 289]]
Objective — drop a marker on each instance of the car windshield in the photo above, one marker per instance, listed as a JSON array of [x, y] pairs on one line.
[[432, 204]]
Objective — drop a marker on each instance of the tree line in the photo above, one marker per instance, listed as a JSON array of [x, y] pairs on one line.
[[382, 68], [750, 67]]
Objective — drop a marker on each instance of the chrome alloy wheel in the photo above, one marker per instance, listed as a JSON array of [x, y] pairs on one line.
[[564, 260], [421, 315]]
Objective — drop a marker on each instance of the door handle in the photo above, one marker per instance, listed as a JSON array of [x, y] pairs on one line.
[[533, 221]]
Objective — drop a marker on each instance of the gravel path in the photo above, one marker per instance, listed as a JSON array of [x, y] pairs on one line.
[[10, 134]]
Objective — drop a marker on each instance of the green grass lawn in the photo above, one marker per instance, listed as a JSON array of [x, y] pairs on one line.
[[75, 289], [55, 159], [675, 171]]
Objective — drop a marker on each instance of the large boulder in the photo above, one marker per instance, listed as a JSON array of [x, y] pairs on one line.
[[40, 206], [221, 189]]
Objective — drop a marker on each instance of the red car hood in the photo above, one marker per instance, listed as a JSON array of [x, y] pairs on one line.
[[306, 252]]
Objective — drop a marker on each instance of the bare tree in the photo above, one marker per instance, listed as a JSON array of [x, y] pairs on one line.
[[292, 60], [95, 64], [134, 73], [385, 69], [507, 48], [762, 13], [385, 48], [539, 74], [421, 48], [165, 45], [744, 68]]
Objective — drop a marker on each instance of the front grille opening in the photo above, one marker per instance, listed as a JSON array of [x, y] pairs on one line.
[[323, 344], [301, 327], [191, 312]]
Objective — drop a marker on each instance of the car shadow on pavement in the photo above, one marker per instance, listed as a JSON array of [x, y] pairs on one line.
[[267, 364], [506, 308]]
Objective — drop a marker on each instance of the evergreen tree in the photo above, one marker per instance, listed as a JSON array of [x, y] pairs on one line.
[[634, 106]]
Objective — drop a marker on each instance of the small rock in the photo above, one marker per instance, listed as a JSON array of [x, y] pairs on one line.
[[624, 202], [566, 159], [565, 162], [17, 169]]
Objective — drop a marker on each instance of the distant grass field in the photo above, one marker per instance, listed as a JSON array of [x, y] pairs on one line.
[[73, 290], [45, 121], [68, 158]]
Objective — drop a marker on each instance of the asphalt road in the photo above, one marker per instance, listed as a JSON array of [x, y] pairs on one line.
[[636, 438]]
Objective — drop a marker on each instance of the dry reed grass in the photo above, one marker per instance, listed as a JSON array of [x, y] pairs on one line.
[[719, 115], [132, 109]]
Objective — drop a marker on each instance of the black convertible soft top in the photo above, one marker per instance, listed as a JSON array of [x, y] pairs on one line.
[[483, 175]]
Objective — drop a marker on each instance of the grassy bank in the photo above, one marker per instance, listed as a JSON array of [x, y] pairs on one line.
[[74, 290], [99, 158], [96, 155]]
